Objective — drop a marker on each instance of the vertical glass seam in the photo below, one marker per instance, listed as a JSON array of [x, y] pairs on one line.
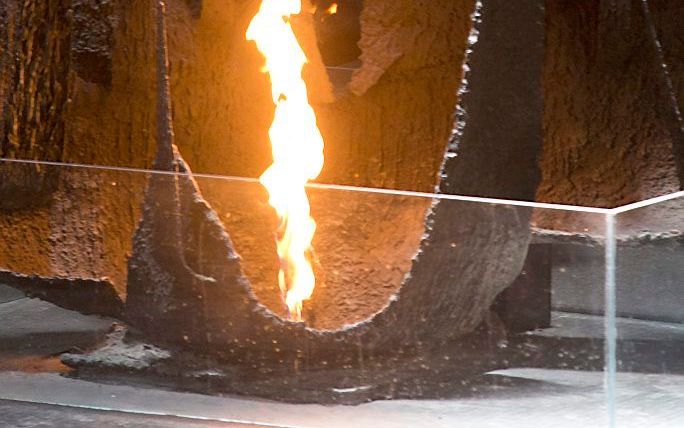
[[610, 319]]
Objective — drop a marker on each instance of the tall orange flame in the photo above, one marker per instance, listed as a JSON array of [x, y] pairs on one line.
[[297, 148]]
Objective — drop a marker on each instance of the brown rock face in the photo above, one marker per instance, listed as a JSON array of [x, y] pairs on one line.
[[364, 244], [612, 135], [394, 135], [84, 92], [608, 137], [663, 17], [186, 285], [70, 95]]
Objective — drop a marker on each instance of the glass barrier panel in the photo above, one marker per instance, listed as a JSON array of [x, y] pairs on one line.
[[650, 313], [170, 294]]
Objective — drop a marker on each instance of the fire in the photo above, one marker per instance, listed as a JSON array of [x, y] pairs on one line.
[[297, 147], [332, 9]]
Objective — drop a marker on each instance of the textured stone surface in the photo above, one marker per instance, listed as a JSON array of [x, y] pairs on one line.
[[664, 16], [574, 343], [199, 289], [186, 286], [92, 39], [603, 147], [393, 136], [609, 133], [65, 221]]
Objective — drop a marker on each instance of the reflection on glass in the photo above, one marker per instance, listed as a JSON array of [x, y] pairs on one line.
[[170, 282]]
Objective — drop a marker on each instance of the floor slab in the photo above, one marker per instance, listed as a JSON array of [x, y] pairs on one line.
[[17, 414], [557, 398]]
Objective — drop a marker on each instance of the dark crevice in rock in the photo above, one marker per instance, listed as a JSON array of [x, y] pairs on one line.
[[87, 296], [92, 40], [195, 7]]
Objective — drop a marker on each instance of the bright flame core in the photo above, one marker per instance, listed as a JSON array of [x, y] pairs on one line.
[[297, 148]]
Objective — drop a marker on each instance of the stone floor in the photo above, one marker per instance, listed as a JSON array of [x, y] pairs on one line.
[[16, 414], [540, 398], [33, 326], [35, 391]]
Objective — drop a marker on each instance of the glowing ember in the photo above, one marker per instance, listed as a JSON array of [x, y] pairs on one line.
[[332, 9], [297, 148]]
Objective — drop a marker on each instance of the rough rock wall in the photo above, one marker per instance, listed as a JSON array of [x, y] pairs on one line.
[[221, 99], [393, 135], [36, 95], [84, 92], [608, 140], [667, 17], [34, 72], [68, 98]]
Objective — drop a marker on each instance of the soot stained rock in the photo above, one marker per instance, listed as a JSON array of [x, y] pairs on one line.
[[186, 286]]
